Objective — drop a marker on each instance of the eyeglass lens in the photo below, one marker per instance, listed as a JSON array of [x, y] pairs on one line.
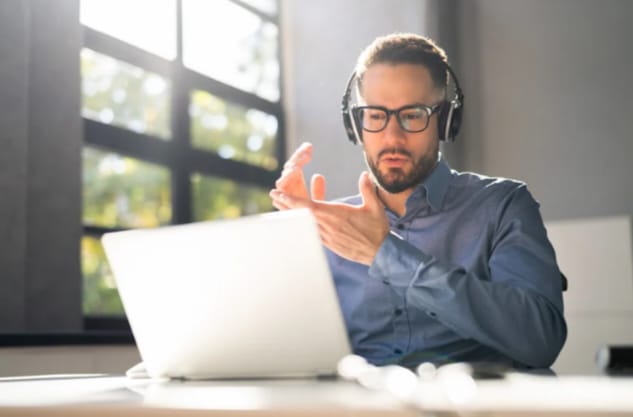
[[411, 119]]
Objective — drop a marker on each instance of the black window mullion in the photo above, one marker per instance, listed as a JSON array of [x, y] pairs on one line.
[[128, 143], [263, 15], [111, 46], [198, 81], [281, 118], [181, 185], [98, 231], [210, 164], [280, 145]]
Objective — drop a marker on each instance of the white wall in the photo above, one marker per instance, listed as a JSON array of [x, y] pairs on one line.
[[599, 304], [322, 41], [548, 89]]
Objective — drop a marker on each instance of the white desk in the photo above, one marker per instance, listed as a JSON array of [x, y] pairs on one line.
[[517, 395]]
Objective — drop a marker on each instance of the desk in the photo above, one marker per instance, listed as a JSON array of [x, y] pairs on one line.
[[105, 396]]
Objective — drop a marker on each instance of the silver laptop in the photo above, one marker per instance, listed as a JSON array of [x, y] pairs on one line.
[[251, 297]]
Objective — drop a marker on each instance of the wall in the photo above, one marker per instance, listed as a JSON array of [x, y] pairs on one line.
[[40, 183], [67, 360], [40, 166], [548, 101], [548, 94]]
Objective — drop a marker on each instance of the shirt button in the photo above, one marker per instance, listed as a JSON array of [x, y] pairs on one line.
[[384, 281], [432, 314], [397, 311], [397, 351], [400, 226]]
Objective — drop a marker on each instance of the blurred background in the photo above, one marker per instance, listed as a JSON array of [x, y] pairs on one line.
[[139, 113]]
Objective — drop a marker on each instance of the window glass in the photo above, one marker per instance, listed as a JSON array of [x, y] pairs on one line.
[[100, 296], [232, 131], [119, 191], [114, 92], [217, 198], [231, 44], [147, 24], [234, 42]]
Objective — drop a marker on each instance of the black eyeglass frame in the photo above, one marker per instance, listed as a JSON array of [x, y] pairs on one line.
[[430, 110]]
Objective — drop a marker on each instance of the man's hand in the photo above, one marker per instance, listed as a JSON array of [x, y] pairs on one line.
[[292, 182], [353, 232]]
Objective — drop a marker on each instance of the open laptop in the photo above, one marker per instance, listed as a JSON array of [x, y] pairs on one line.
[[245, 298]]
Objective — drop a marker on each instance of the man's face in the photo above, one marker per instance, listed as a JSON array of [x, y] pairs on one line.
[[400, 160]]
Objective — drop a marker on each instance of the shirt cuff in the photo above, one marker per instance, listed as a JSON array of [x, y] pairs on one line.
[[397, 261]]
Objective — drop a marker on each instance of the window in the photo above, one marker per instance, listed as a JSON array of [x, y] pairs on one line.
[[182, 120]]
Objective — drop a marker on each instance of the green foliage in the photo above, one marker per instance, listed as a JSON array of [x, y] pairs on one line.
[[100, 295], [232, 131], [124, 192], [124, 95], [216, 198]]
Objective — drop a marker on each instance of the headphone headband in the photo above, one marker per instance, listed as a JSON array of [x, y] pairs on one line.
[[449, 115]]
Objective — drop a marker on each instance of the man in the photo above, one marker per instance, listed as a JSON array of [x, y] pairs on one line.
[[430, 264]]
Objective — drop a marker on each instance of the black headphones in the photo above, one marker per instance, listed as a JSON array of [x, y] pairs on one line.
[[449, 114]]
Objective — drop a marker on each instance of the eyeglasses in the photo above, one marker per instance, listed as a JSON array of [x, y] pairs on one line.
[[413, 118]]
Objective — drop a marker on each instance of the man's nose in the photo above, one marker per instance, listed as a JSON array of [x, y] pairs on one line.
[[393, 130]]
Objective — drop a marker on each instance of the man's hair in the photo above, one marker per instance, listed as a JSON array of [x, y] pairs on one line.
[[406, 48]]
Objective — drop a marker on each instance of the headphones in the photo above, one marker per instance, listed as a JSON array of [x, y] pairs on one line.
[[449, 115]]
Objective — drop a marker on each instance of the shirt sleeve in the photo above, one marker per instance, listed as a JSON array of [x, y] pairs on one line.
[[517, 310]]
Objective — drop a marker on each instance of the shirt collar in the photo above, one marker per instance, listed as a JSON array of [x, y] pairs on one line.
[[435, 185]]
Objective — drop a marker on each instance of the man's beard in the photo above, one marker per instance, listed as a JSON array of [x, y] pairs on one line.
[[397, 180]]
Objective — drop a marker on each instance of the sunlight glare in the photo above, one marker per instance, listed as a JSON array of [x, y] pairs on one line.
[[147, 24], [227, 42]]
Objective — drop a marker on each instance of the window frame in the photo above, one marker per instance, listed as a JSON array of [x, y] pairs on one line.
[[177, 153]]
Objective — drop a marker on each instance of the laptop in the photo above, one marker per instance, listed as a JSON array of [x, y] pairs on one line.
[[246, 298]]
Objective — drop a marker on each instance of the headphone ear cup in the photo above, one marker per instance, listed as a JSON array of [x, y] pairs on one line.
[[455, 121], [347, 124], [355, 117], [350, 118], [442, 119], [449, 120]]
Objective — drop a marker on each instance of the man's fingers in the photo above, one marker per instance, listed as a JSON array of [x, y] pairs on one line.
[[281, 206], [291, 179], [289, 175], [368, 191], [300, 157], [289, 201], [317, 187], [278, 204], [324, 235]]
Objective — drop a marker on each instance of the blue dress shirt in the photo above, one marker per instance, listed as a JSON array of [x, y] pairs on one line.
[[467, 274]]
